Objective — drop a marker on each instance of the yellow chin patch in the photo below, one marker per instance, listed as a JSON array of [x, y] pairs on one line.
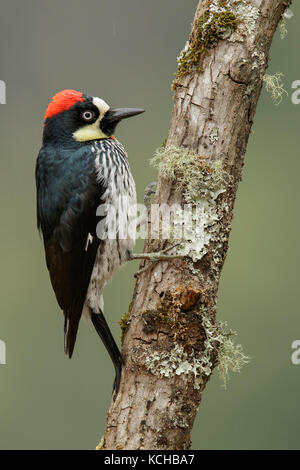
[[89, 132], [93, 131]]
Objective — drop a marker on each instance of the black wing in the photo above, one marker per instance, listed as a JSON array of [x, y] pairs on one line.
[[66, 208], [70, 274]]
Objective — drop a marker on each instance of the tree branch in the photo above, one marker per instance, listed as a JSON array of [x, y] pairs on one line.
[[173, 342]]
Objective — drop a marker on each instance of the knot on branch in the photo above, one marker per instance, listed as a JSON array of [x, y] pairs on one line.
[[184, 325]]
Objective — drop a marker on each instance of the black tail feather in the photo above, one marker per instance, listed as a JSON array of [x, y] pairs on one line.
[[70, 333], [104, 332]]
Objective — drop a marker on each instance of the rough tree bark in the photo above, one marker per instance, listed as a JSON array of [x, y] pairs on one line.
[[214, 106]]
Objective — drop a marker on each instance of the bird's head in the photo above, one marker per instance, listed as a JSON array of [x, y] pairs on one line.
[[74, 116]]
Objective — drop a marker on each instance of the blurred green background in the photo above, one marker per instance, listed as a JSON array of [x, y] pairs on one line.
[[125, 52]]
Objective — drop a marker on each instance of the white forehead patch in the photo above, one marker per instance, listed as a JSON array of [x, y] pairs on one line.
[[101, 105]]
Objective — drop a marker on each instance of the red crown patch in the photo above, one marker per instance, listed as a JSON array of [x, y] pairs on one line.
[[62, 101]]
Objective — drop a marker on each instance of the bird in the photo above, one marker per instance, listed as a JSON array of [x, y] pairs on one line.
[[81, 168]]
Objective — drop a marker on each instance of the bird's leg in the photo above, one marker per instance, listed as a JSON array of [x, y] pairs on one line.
[[154, 257], [104, 332], [157, 256]]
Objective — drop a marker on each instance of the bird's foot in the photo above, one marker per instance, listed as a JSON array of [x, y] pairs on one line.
[[154, 258], [117, 381]]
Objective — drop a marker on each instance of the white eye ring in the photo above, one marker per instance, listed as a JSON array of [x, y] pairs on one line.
[[88, 115]]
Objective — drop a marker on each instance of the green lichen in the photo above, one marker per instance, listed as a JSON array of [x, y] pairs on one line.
[[274, 85], [217, 23], [231, 357], [283, 28], [101, 444], [195, 176], [124, 324]]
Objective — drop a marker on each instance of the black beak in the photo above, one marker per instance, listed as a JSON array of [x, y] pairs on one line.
[[115, 115]]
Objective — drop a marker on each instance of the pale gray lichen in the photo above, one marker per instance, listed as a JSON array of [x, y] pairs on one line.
[[202, 229], [230, 356], [195, 176], [288, 14], [275, 86], [258, 59], [201, 182], [178, 362], [249, 14], [219, 349]]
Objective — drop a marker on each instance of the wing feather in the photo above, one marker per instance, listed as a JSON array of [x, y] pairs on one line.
[[66, 210]]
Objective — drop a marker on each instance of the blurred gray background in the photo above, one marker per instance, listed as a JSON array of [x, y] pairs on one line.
[[125, 52]]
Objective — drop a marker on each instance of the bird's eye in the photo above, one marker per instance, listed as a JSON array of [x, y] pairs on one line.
[[88, 115]]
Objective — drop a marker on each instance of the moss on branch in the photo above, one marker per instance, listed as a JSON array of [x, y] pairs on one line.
[[217, 23]]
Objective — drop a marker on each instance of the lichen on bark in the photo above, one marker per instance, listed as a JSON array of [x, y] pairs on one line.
[[197, 344]]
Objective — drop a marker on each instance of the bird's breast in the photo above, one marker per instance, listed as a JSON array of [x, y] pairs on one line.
[[118, 200], [117, 228]]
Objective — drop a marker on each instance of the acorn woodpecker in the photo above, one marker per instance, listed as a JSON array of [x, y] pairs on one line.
[[80, 167]]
